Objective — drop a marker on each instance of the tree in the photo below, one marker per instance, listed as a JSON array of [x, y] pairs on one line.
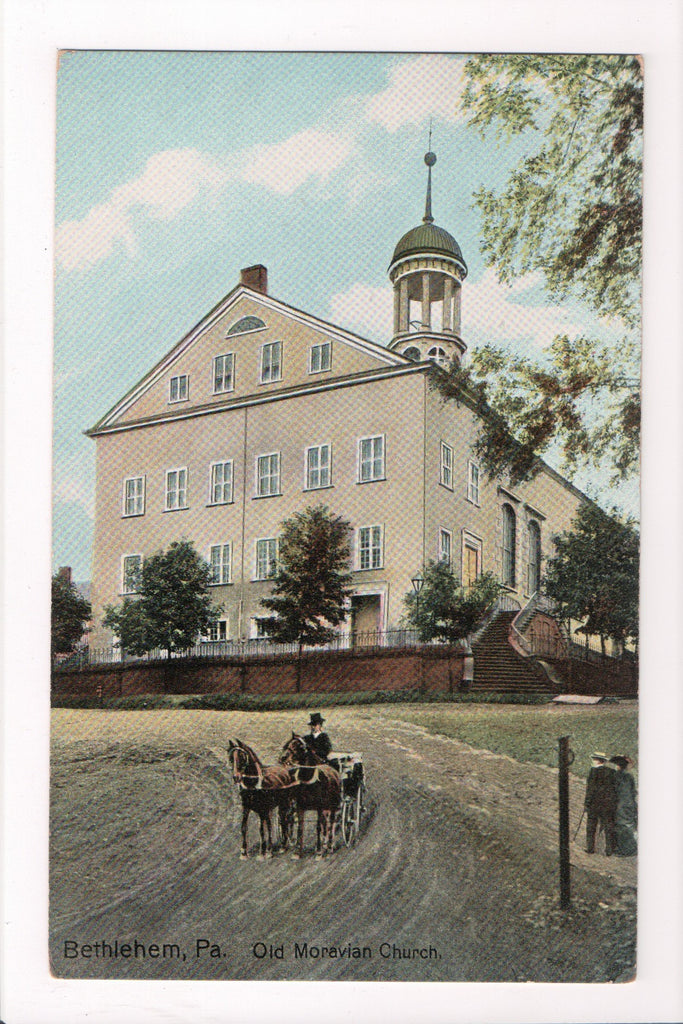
[[571, 212], [70, 614], [594, 575], [311, 587], [173, 606], [444, 610]]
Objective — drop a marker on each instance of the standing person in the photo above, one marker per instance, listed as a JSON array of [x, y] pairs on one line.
[[627, 807], [601, 804], [317, 740]]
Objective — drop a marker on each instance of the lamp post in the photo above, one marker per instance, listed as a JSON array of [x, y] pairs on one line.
[[418, 582]]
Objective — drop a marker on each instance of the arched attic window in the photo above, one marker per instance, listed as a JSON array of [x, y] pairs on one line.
[[437, 354], [247, 323], [509, 545], [413, 353], [534, 556]]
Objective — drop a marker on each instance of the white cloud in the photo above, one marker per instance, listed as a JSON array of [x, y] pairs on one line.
[[419, 88], [366, 310], [490, 313], [174, 179], [284, 166]]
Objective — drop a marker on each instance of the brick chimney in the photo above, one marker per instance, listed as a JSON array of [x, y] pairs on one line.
[[64, 574], [256, 278]]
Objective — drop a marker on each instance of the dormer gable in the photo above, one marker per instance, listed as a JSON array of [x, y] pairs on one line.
[[249, 345]]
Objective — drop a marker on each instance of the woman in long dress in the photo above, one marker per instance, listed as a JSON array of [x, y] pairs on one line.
[[627, 808]]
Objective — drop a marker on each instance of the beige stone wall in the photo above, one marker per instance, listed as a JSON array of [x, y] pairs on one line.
[[296, 336], [392, 408], [546, 499]]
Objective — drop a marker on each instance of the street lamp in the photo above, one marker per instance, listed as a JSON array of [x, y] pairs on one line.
[[418, 582]]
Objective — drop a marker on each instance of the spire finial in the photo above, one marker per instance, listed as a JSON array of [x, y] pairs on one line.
[[430, 160]]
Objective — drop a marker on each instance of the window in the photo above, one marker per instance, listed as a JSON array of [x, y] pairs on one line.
[[218, 631], [534, 581], [176, 489], [221, 483], [473, 482], [268, 475], [446, 465], [321, 357], [134, 496], [370, 547], [219, 560], [179, 388], [247, 323], [445, 546], [224, 373], [318, 466], [266, 558], [371, 459], [413, 353], [131, 574], [437, 355], [509, 545], [260, 629], [271, 362]]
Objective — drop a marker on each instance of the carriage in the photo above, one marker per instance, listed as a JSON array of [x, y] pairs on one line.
[[352, 801], [334, 788]]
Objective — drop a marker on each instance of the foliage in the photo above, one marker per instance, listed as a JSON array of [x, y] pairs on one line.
[[531, 734], [311, 587], [569, 213], [594, 575], [444, 610], [173, 607], [70, 615]]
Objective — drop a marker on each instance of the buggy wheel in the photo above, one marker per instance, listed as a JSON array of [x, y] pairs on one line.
[[348, 822], [359, 805]]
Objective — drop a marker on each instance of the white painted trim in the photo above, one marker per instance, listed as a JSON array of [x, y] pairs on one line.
[[301, 391], [264, 579], [122, 578], [321, 487], [374, 479], [264, 346], [271, 494], [449, 534], [442, 445], [134, 515], [176, 469], [369, 526], [325, 369], [222, 544], [222, 462], [223, 391], [179, 376]]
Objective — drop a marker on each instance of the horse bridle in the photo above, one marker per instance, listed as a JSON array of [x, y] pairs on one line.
[[239, 776]]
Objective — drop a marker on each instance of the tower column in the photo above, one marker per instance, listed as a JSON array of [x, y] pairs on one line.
[[457, 310], [447, 321], [403, 304], [397, 310], [426, 305]]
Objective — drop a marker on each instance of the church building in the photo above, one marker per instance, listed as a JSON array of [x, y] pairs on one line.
[[263, 409]]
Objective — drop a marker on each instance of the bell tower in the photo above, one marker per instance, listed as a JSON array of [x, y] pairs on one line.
[[427, 271]]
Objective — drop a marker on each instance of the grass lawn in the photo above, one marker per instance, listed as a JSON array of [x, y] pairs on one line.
[[530, 733]]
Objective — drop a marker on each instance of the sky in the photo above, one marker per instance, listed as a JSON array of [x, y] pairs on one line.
[[174, 170]]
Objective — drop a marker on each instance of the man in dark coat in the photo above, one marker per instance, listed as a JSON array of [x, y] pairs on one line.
[[601, 804], [317, 740], [627, 808]]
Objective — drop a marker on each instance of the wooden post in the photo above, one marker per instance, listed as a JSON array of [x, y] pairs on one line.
[[565, 759]]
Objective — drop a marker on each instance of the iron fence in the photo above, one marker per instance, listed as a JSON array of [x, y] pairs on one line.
[[260, 648]]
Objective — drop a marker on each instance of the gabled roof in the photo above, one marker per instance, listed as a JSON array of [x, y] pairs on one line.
[[268, 302]]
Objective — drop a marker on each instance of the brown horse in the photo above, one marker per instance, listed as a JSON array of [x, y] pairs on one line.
[[262, 789], [318, 788]]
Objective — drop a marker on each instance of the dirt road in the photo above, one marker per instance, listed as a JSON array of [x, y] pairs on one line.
[[454, 876]]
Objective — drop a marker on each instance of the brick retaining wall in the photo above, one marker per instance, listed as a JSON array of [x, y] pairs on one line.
[[432, 669]]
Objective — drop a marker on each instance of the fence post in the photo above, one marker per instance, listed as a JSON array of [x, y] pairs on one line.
[[565, 759]]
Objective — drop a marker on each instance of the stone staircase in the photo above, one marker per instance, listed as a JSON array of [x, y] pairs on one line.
[[499, 668]]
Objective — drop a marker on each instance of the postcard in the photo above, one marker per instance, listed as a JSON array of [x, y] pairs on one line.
[[345, 642]]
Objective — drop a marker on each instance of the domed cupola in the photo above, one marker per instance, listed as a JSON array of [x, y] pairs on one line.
[[427, 271]]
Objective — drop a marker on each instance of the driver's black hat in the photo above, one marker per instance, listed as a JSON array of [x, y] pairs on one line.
[[316, 718]]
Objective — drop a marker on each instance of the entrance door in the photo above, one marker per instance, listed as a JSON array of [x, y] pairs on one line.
[[365, 619], [471, 565]]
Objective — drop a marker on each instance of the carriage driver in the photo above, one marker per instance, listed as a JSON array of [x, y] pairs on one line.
[[317, 740]]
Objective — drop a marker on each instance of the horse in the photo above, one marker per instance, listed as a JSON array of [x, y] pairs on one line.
[[262, 789], [318, 788]]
